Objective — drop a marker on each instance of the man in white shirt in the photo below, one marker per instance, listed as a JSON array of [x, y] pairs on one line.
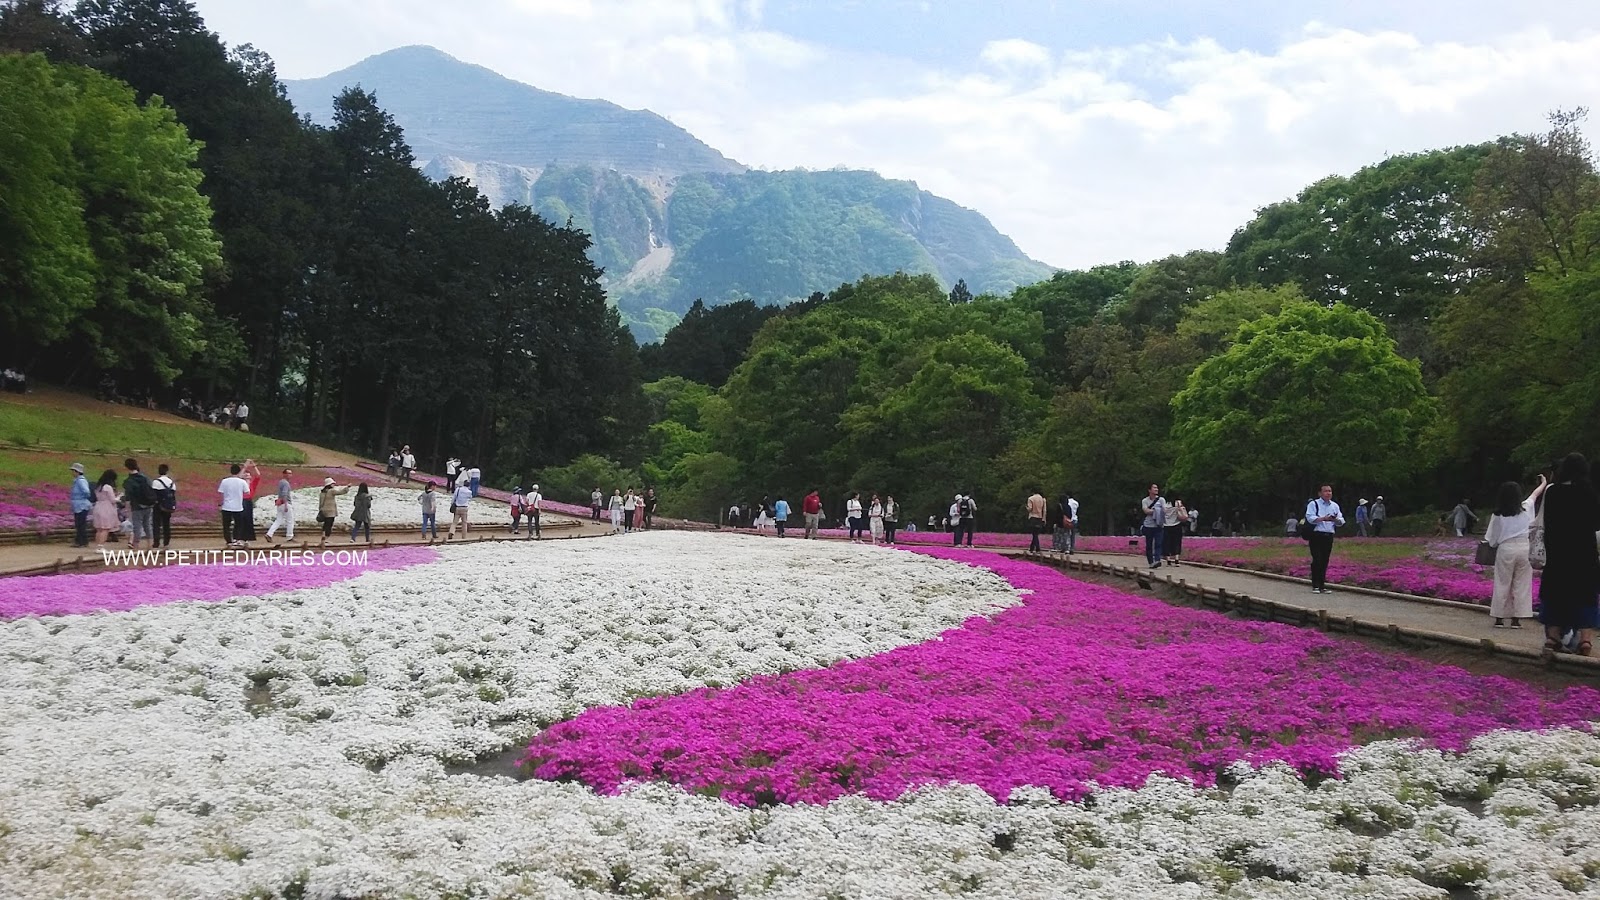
[[473, 476], [283, 507], [1154, 509], [408, 461], [241, 415], [954, 519], [532, 503], [1324, 516], [452, 471], [460, 503], [233, 488]]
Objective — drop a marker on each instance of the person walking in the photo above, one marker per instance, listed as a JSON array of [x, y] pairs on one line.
[[891, 519], [1363, 516], [533, 511], [81, 498], [247, 519], [811, 508], [361, 516], [282, 509], [328, 506], [1036, 508], [141, 499], [616, 511], [430, 518], [105, 508], [1153, 507], [968, 508], [1324, 515], [630, 506], [233, 489], [1061, 527], [596, 501], [780, 513], [474, 477], [516, 509], [1508, 535], [1460, 518], [1376, 516], [647, 508], [392, 469], [852, 512], [166, 491], [875, 520], [460, 510], [1177, 519], [1570, 583]]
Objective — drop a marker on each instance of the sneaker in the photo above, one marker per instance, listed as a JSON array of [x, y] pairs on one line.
[[1500, 623], [1156, 566], [1516, 623]]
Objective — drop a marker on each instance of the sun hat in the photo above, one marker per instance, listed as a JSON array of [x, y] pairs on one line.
[[76, 467], [1363, 502], [327, 482]]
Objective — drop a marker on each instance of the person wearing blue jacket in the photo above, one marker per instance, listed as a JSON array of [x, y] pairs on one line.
[[82, 502]]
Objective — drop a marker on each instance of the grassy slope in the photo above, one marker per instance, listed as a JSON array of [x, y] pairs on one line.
[[86, 435]]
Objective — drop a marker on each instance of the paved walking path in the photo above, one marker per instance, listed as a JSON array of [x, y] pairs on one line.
[[1423, 614]]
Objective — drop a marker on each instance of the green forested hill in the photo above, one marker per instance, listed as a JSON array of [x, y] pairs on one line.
[[672, 219]]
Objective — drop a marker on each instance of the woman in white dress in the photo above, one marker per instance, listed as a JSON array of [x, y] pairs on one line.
[[875, 519], [616, 510], [1508, 535]]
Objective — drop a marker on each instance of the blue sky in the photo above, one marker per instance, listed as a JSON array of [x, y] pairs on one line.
[[1089, 131]]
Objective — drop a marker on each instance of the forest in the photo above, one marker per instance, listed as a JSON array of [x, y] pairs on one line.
[[1422, 328]]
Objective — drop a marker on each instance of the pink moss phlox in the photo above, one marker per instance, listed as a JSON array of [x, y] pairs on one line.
[[60, 595], [1083, 685]]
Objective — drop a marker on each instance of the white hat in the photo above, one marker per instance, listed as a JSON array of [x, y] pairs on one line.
[[536, 487], [1363, 502], [327, 482]]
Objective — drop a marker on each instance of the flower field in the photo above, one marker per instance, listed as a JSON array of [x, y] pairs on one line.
[[739, 717]]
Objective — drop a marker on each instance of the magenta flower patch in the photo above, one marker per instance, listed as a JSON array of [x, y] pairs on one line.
[[62, 595], [1083, 685]]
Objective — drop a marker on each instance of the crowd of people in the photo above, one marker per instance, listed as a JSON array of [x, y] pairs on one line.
[[233, 415], [628, 509]]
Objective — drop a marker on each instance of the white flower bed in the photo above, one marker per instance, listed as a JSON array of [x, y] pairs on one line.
[[390, 506], [295, 746]]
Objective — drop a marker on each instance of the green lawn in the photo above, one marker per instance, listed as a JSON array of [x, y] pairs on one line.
[[71, 431]]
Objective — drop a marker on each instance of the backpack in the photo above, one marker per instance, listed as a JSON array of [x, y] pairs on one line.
[[1307, 528], [137, 487], [167, 499], [965, 508]]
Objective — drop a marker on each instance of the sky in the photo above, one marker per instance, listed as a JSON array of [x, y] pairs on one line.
[[1090, 131]]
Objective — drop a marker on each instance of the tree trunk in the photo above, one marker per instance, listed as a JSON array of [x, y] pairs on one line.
[[388, 416]]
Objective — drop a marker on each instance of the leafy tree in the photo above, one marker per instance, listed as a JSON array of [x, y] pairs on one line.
[[1309, 394], [40, 26], [573, 482], [47, 269], [1159, 294], [1211, 324], [959, 293], [708, 344]]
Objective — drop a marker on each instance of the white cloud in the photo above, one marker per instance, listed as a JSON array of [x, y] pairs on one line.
[[1081, 155]]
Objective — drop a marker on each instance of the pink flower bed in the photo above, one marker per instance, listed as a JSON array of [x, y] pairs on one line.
[[62, 595], [1428, 567], [48, 507], [1082, 686]]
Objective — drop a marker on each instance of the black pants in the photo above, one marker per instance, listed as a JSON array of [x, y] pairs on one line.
[[80, 527], [780, 523], [1376, 526], [246, 529], [968, 526], [596, 510], [450, 483], [162, 536], [533, 522], [650, 517], [627, 520], [356, 528], [855, 527], [1035, 526], [327, 526], [889, 528], [231, 529], [1172, 542], [1321, 549]]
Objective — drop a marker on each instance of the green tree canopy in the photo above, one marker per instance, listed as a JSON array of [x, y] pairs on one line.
[[1310, 394]]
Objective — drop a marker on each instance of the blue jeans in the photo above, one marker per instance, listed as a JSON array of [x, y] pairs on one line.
[[473, 484], [430, 523], [80, 525], [1154, 537], [357, 527]]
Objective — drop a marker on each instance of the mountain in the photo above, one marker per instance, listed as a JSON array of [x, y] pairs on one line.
[[672, 219]]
